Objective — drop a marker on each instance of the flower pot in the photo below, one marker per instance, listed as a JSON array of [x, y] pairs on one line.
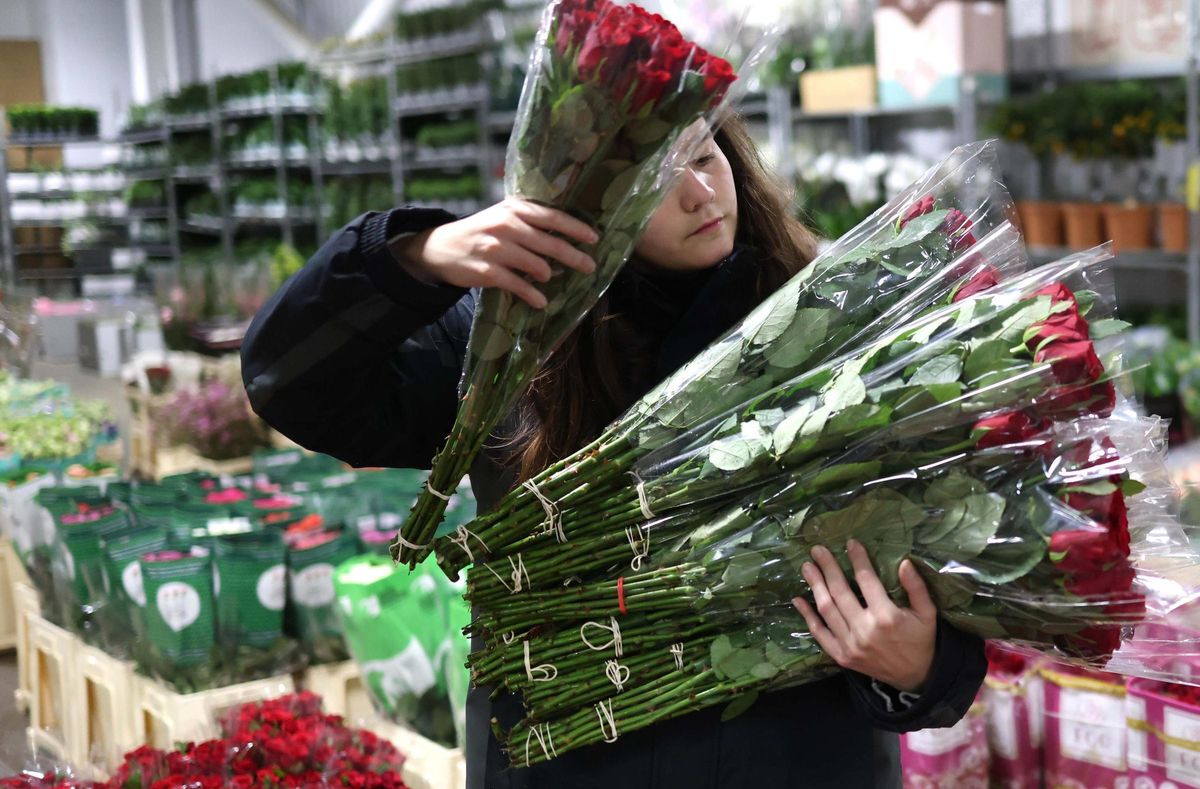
[[1041, 223], [1173, 221], [1129, 226], [1084, 225]]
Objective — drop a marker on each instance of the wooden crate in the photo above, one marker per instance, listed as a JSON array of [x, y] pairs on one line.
[[162, 717], [427, 765], [11, 573]]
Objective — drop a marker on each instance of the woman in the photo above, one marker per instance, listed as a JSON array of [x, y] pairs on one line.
[[359, 356]]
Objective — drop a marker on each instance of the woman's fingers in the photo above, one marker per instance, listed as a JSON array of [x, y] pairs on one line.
[[866, 577], [826, 605], [517, 257], [500, 277], [559, 249], [554, 221]]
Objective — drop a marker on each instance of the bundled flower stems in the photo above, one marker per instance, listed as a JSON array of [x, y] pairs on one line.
[[611, 102], [916, 389]]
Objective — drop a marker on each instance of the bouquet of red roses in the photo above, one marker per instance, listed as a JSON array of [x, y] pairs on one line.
[[612, 101]]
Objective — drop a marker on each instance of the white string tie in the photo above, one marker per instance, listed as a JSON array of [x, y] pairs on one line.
[[542, 733], [614, 629], [441, 496], [543, 673], [460, 538], [617, 674], [553, 515], [608, 726], [643, 502], [639, 542], [677, 651]]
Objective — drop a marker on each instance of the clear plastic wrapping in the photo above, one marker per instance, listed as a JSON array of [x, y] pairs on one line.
[[945, 237], [983, 439], [615, 102]]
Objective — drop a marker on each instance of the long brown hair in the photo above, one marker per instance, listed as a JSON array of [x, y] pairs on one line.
[[578, 391]]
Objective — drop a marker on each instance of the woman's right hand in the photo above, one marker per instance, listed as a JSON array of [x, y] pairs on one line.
[[504, 246]]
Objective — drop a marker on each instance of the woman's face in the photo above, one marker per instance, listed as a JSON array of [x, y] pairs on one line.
[[695, 226]]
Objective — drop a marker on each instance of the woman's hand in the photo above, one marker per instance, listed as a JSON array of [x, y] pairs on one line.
[[504, 246], [882, 640]]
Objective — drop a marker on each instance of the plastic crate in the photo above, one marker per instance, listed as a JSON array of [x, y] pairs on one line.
[[105, 685], [9, 565], [55, 721], [427, 765], [163, 717], [341, 689], [27, 607]]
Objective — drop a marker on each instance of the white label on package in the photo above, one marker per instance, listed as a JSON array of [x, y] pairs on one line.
[[935, 742], [1002, 724], [1092, 727], [1135, 710], [1183, 764]]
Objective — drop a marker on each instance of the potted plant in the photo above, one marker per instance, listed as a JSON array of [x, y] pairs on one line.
[[1170, 151], [1022, 121], [839, 73], [1131, 110]]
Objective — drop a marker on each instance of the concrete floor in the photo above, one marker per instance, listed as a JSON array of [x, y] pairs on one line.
[[14, 753]]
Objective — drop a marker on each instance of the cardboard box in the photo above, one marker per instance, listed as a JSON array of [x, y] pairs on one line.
[[928, 52], [847, 89]]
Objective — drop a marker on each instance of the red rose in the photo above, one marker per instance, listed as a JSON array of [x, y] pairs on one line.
[[1067, 326], [1012, 427], [983, 280], [1071, 362], [919, 208], [1098, 399], [1095, 642], [718, 76], [1057, 292], [1085, 551], [958, 228], [651, 85], [1004, 661], [1108, 510], [1117, 579], [241, 782]]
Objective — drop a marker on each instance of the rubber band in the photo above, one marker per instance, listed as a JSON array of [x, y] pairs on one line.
[[605, 714], [617, 674], [460, 538], [621, 595], [442, 496], [614, 642], [547, 670]]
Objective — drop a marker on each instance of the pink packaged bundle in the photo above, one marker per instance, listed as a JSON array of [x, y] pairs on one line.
[[952, 758], [1012, 697], [1164, 734], [1085, 728]]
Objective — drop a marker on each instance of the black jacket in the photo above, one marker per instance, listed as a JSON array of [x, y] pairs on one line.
[[354, 358]]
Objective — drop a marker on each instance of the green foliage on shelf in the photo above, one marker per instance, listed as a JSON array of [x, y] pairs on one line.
[[434, 188], [202, 204], [251, 133], [349, 196], [32, 120], [443, 21], [265, 189], [442, 135], [1092, 120], [143, 116], [440, 73], [193, 148], [188, 100], [357, 110], [294, 76], [145, 193]]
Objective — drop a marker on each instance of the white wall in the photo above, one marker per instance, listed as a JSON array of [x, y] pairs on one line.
[[240, 35], [19, 19]]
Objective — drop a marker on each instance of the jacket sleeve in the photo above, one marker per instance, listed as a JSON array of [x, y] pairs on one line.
[[958, 669], [355, 358]]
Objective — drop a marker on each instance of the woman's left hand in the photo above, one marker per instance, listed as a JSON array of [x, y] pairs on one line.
[[882, 640]]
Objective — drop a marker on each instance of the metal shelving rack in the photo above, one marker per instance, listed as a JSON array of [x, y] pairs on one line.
[[9, 250]]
